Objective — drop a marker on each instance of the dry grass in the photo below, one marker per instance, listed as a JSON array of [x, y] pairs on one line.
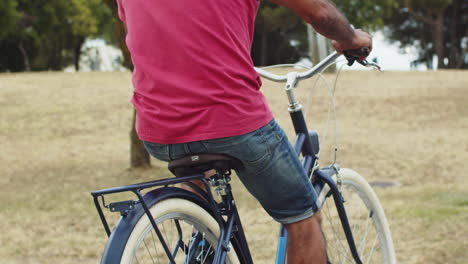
[[63, 135]]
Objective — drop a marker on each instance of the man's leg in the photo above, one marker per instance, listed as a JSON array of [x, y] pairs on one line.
[[273, 174], [305, 242], [198, 183]]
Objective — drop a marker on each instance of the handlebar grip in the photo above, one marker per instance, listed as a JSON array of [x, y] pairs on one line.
[[356, 54]]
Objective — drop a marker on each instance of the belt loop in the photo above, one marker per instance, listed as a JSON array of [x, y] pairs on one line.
[[187, 149], [169, 151], [272, 123]]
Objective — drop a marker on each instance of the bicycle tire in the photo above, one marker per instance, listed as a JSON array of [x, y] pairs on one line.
[[192, 219], [357, 195]]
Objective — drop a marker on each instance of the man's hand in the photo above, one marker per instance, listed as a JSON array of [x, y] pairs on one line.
[[361, 40]]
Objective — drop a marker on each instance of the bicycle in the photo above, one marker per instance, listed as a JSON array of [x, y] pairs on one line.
[[177, 226]]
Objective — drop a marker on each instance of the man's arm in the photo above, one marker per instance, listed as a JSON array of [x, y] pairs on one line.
[[328, 21]]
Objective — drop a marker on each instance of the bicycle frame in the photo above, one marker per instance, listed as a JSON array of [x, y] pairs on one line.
[[231, 230], [305, 146]]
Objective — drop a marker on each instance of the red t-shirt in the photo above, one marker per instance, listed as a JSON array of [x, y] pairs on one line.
[[193, 74]]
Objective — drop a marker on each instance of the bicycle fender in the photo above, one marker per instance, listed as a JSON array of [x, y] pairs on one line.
[[124, 227]]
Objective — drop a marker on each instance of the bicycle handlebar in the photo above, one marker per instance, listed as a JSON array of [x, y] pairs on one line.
[[302, 75], [351, 55]]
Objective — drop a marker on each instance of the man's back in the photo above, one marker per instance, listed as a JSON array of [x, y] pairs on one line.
[[194, 77]]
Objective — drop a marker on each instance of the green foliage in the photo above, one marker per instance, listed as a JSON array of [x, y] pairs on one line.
[[368, 14], [82, 20], [105, 20], [277, 28], [48, 34], [433, 27], [430, 5], [271, 18], [8, 17]]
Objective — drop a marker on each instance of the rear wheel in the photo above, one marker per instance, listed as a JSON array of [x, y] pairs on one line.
[[190, 232], [367, 220]]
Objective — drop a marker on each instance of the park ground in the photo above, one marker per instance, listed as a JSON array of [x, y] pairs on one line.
[[63, 135]]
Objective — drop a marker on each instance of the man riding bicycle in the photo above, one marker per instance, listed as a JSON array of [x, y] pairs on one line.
[[196, 91]]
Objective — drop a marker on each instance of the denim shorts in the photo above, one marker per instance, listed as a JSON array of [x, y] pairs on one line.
[[272, 172]]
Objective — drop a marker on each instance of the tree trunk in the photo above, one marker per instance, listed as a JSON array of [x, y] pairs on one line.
[[319, 48], [139, 157], [55, 54], [455, 55], [77, 52], [120, 33], [437, 30], [313, 45], [438, 38], [27, 66]]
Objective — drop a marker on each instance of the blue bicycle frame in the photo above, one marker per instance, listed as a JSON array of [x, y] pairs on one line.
[[307, 144]]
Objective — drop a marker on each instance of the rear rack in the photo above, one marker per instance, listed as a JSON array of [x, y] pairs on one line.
[[125, 206]]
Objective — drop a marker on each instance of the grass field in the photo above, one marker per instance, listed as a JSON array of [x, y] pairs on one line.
[[63, 135]]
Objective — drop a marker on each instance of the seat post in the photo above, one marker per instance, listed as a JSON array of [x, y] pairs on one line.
[[220, 180]]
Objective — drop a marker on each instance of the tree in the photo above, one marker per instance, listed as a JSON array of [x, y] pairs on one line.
[[139, 157], [83, 23], [53, 28], [47, 35], [8, 17], [89, 18], [38, 37], [435, 27], [367, 14], [15, 35], [280, 36], [119, 33]]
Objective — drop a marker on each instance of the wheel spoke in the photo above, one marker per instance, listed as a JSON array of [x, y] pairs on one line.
[[155, 247], [207, 254], [165, 236], [149, 253], [342, 249], [177, 219], [372, 250], [364, 239], [148, 250], [367, 225]]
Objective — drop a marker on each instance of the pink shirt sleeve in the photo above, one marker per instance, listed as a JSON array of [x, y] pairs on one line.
[[121, 11]]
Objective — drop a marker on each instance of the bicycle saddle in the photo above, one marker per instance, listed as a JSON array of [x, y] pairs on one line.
[[199, 163]]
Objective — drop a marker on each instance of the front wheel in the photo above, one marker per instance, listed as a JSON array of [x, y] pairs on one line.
[[366, 218]]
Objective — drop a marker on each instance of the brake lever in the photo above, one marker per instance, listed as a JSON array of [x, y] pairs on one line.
[[372, 65], [353, 56], [364, 63]]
